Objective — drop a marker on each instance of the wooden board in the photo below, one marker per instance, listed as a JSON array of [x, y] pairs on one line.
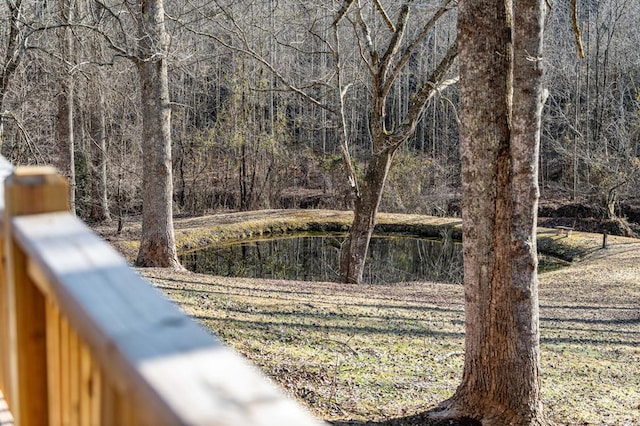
[[28, 190], [5, 170], [173, 370]]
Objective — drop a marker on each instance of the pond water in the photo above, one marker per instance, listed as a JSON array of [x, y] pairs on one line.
[[315, 258]]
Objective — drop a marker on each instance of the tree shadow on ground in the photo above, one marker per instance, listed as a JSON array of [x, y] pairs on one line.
[[422, 419]]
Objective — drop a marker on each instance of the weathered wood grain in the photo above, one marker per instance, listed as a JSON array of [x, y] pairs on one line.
[[28, 190], [5, 170], [168, 367]]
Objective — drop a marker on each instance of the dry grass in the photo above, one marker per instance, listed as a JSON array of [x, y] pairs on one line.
[[361, 354], [590, 317], [383, 352]]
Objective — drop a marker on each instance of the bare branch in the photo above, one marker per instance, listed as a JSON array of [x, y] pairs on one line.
[[343, 11], [406, 54], [385, 17], [366, 32], [362, 54], [120, 51], [576, 28], [393, 47], [33, 147], [433, 85], [247, 50], [342, 92]]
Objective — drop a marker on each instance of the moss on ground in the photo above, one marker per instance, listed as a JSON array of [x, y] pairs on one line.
[[198, 232], [204, 231]]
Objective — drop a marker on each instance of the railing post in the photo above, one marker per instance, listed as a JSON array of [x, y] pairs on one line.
[[29, 190], [5, 170]]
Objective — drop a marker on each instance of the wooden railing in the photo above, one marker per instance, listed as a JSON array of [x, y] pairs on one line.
[[84, 340]]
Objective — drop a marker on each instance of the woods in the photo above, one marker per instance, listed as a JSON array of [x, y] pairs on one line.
[[192, 107], [256, 119]]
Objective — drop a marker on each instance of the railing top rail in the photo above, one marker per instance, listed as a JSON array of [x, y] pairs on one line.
[[148, 344], [174, 371]]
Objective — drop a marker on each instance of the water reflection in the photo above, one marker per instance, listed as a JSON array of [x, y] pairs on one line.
[[315, 258]]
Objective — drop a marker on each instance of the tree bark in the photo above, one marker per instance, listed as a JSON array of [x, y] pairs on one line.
[[99, 200], [157, 244], [501, 87], [354, 251], [66, 104]]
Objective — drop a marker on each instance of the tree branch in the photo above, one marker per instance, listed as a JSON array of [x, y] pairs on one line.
[[576, 28], [406, 54], [343, 11], [393, 47], [433, 85], [247, 50], [342, 92], [385, 17], [366, 32]]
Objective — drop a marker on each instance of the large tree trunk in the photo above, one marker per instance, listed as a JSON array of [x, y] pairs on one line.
[[354, 251], [500, 125], [157, 243]]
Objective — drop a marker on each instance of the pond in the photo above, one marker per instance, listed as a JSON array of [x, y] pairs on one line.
[[315, 258]]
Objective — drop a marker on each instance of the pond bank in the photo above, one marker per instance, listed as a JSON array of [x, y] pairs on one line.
[[202, 231]]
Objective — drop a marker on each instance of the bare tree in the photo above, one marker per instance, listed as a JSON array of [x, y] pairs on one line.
[[502, 97], [157, 243], [385, 68]]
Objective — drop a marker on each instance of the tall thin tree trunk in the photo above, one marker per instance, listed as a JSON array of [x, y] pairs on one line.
[[99, 199], [157, 243], [65, 118], [66, 142]]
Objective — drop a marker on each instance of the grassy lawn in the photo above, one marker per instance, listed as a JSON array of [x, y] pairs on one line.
[[359, 355], [365, 354]]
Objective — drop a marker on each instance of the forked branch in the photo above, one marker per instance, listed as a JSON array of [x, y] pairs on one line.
[[433, 85]]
